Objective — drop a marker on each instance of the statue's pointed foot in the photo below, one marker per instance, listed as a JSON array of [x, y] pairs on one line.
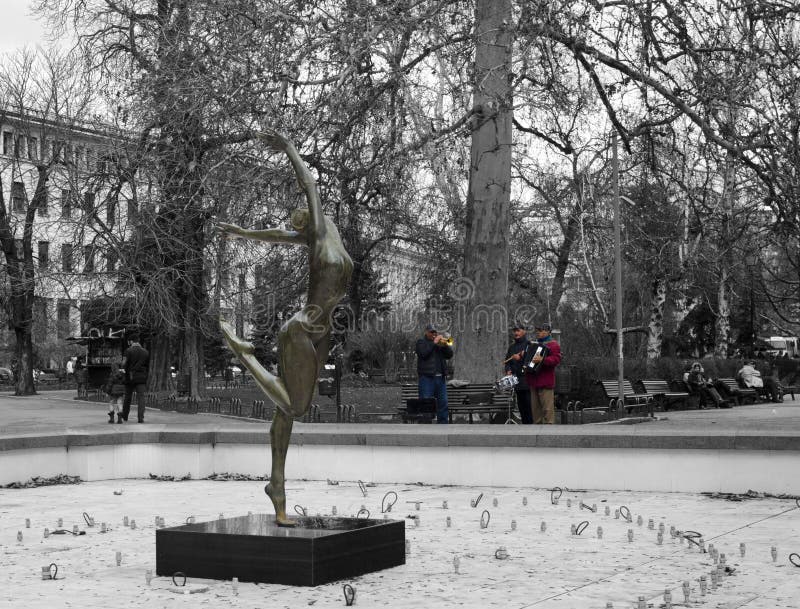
[[239, 345], [279, 503]]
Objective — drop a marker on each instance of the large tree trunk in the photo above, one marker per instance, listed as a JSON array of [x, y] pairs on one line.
[[22, 282], [158, 378], [24, 355], [655, 327], [722, 325], [481, 299]]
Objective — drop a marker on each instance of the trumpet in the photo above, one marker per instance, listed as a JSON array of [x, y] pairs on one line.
[[448, 341]]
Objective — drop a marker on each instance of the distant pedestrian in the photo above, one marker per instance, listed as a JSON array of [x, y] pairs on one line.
[[137, 360], [82, 379], [115, 388]]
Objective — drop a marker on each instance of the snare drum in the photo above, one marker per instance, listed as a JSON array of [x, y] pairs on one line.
[[507, 382]]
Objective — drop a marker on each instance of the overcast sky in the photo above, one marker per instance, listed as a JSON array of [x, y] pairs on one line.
[[19, 28]]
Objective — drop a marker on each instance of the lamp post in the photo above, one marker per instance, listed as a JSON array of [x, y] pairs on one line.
[[618, 276]]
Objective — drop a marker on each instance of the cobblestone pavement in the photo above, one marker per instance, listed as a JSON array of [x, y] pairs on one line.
[[545, 570], [57, 410]]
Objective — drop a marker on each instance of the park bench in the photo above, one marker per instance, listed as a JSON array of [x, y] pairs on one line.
[[742, 394], [470, 400], [789, 385], [630, 399], [664, 396]]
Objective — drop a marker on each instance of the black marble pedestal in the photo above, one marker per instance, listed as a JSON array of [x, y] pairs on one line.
[[254, 549]]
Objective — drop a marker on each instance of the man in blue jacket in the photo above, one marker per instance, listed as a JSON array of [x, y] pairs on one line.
[[432, 351]]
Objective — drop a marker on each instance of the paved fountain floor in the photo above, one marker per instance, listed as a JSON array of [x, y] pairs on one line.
[[546, 569]]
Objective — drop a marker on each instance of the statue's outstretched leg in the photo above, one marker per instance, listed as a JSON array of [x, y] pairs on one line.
[[270, 384]]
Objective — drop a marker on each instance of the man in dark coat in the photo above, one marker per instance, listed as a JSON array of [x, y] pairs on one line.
[[137, 360], [432, 353], [517, 356]]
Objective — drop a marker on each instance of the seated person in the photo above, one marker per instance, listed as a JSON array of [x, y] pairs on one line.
[[749, 377], [768, 387], [701, 386]]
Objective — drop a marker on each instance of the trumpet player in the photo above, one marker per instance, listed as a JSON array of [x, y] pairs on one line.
[[517, 356], [432, 352]]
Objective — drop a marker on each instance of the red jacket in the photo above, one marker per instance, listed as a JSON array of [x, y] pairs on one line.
[[545, 378]]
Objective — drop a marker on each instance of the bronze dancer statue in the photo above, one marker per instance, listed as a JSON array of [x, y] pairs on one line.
[[304, 340]]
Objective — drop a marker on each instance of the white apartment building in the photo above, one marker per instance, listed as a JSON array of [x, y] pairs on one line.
[[72, 234], [405, 270], [80, 229]]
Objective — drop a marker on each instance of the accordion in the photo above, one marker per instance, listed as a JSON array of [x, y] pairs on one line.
[[542, 351]]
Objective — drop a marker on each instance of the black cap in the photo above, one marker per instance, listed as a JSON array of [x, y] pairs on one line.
[[544, 326], [430, 328], [518, 325]]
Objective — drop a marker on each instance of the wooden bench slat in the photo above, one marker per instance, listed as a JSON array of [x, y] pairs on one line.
[[631, 399], [470, 400], [742, 393], [664, 394]]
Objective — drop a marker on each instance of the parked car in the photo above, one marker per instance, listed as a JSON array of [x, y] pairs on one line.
[[6, 376]]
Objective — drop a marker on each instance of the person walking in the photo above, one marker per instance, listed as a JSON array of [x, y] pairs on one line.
[[542, 380], [517, 357], [432, 353], [137, 360]]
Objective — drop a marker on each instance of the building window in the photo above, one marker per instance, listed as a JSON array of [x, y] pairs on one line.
[[111, 212], [44, 202], [58, 151], [88, 258], [62, 316], [19, 249], [66, 203], [44, 254], [88, 203], [33, 148], [79, 158], [39, 319], [18, 196], [8, 143], [111, 259], [66, 257], [133, 209]]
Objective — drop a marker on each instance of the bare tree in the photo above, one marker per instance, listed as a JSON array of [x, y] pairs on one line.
[[47, 98]]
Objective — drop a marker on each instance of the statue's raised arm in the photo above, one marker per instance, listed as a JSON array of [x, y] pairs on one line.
[[270, 235], [304, 178]]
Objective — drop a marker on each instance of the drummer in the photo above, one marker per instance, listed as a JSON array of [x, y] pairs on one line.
[[518, 354]]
